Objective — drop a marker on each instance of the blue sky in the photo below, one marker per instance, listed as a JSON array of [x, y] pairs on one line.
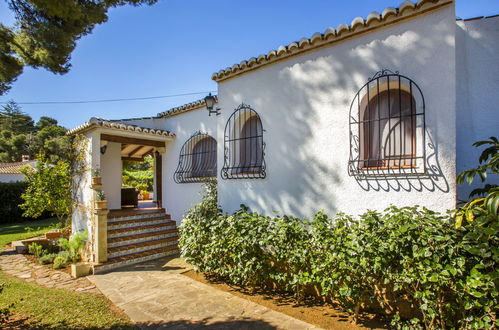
[[174, 46]]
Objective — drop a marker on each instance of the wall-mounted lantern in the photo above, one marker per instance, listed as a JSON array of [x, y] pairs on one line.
[[210, 104]]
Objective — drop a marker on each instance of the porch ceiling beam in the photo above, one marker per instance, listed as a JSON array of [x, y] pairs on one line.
[[129, 140], [123, 146], [135, 151], [133, 159]]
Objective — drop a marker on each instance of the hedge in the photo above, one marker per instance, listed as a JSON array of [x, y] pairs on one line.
[[409, 263], [10, 199]]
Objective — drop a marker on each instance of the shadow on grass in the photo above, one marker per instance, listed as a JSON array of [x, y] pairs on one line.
[[20, 227], [240, 324]]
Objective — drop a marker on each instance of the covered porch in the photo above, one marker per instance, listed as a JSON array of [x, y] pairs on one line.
[[110, 143], [115, 142]]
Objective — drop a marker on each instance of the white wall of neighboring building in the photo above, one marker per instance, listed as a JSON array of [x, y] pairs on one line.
[[11, 177], [477, 99], [304, 105], [111, 167]]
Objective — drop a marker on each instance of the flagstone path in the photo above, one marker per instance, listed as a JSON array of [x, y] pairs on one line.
[[19, 266], [156, 296]]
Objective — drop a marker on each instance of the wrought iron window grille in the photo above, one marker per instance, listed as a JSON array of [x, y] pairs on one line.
[[244, 149], [387, 128], [197, 160]]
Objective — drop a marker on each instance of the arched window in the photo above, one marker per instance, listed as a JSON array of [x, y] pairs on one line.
[[387, 127], [243, 145], [198, 159]]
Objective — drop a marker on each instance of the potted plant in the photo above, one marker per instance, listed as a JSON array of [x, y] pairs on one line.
[[145, 194], [74, 246], [101, 202], [96, 178]]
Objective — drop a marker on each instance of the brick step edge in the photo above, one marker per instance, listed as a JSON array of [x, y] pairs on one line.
[[145, 214], [135, 239], [138, 223], [124, 250], [123, 232], [132, 259]]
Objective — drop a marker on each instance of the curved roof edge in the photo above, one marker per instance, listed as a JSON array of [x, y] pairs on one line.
[[199, 104], [358, 25], [99, 122]]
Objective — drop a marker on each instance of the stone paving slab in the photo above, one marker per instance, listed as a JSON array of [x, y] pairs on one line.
[[19, 266], [156, 296]]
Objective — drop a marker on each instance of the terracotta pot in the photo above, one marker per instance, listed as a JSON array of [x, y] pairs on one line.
[[145, 195], [101, 205], [96, 180]]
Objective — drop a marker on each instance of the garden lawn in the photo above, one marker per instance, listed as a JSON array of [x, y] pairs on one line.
[[43, 308], [17, 231]]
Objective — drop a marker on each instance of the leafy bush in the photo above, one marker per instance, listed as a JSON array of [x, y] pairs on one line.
[[410, 263], [36, 249], [488, 204], [47, 258], [59, 262], [61, 259], [74, 245]]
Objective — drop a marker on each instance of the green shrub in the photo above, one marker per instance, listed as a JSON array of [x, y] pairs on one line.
[[47, 258], [36, 249], [74, 245], [59, 262], [410, 263], [61, 259]]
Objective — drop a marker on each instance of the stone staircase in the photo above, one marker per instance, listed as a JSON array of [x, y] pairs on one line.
[[135, 237]]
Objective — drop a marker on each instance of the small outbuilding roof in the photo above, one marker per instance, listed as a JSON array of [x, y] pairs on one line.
[[358, 25], [99, 122], [14, 168]]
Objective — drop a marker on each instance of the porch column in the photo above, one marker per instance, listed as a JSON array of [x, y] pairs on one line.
[[158, 171], [100, 247]]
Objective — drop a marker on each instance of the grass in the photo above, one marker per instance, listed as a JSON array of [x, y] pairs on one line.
[[17, 231], [37, 307]]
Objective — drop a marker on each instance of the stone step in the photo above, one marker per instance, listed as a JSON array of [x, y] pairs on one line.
[[141, 238], [141, 247], [139, 222], [135, 215], [140, 230], [135, 258]]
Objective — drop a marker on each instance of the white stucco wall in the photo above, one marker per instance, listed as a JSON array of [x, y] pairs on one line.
[[83, 195], [11, 177], [477, 74], [304, 104], [111, 166], [179, 197]]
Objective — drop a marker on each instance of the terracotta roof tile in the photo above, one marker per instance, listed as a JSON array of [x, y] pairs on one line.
[[14, 168], [99, 122], [358, 25]]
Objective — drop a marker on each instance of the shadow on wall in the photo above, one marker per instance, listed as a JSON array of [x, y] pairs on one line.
[[432, 180], [304, 110], [242, 324]]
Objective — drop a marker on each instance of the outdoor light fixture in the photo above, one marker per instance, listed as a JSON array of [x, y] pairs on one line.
[[103, 149], [210, 103]]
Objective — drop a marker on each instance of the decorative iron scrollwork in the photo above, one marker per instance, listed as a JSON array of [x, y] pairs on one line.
[[244, 149], [387, 127], [197, 160]]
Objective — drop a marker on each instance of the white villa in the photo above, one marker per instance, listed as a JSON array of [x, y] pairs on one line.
[[382, 111]]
